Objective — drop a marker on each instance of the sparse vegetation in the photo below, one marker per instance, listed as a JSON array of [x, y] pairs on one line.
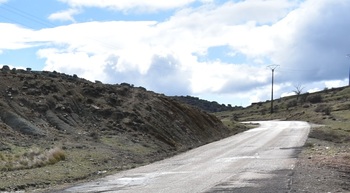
[[317, 98], [323, 108], [205, 105], [292, 103], [100, 127], [298, 90], [32, 158], [329, 134], [328, 146]]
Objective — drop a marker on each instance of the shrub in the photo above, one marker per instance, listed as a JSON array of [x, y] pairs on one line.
[[309, 145], [55, 155], [327, 110], [323, 109], [2, 157], [30, 159], [306, 106], [303, 97], [327, 135], [315, 98], [263, 111], [292, 103], [94, 135]]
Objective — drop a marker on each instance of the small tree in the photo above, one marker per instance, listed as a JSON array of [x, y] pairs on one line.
[[298, 90], [303, 97]]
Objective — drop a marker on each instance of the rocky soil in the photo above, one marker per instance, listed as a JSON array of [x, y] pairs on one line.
[[322, 166], [94, 128]]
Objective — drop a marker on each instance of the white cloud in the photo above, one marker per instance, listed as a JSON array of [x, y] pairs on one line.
[[218, 77], [92, 48], [307, 42], [66, 15], [235, 24], [15, 37], [126, 5], [335, 83], [74, 63]]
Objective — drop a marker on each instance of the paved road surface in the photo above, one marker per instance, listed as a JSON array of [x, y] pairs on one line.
[[258, 160]]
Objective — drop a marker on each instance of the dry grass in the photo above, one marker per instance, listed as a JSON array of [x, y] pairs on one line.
[[330, 107], [32, 158], [329, 134]]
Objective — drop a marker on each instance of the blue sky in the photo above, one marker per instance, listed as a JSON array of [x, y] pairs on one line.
[[213, 49]]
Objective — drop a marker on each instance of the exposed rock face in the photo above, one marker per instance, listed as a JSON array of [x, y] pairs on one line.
[[54, 106]]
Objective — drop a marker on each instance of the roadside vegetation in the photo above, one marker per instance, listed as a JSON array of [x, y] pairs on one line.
[[328, 112], [30, 158], [57, 129]]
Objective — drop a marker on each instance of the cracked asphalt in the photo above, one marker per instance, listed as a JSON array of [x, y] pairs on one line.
[[258, 160]]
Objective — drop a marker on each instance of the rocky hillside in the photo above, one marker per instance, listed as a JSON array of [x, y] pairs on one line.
[[209, 106], [56, 128]]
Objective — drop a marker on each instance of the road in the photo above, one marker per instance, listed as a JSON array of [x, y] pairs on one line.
[[258, 160]]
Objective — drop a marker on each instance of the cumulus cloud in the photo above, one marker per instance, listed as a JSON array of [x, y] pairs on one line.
[[307, 39], [15, 37], [218, 77], [66, 15], [298, 41]]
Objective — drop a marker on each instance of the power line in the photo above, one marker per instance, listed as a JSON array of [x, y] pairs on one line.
[[12, 20], [284, 69], [26, 15], [39, 21]]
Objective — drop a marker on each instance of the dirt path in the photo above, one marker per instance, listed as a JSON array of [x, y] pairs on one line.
[[259, 160]]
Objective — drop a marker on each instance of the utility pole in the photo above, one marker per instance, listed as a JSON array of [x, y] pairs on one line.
[[348, 55], [272, 67]]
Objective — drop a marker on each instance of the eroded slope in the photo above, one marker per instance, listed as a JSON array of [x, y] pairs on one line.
[[100, 128]]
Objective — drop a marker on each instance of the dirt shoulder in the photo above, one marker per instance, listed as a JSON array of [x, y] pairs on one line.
[[322, 166]]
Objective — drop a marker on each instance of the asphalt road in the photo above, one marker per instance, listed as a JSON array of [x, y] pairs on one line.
[[258, 160]]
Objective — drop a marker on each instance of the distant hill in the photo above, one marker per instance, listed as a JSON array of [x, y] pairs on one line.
[[209, 106]]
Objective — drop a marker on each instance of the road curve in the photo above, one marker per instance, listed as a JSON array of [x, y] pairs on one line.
[[258, 160]]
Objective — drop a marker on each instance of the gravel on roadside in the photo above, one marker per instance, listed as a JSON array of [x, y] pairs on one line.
[[322, 169]]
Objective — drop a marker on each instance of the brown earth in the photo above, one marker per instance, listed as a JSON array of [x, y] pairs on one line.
[[57, 129], [323, 166]]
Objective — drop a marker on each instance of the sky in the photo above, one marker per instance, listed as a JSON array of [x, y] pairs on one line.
[[212, 49]]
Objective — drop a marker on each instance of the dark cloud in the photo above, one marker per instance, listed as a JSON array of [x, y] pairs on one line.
[[319, 48], [241, 86], [163, 76]]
